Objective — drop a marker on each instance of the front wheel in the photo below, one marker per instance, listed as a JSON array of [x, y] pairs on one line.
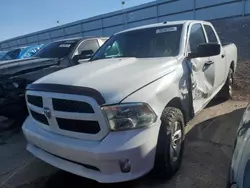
[[170, 144]]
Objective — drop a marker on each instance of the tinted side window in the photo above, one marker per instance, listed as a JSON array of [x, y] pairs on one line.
[[112, 51], [210, 34], [88, 45], [196, 37]]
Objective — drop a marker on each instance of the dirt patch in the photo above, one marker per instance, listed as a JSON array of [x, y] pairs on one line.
[[242, 81]]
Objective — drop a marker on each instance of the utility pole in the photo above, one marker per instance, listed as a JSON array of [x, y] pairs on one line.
[[122, 3]]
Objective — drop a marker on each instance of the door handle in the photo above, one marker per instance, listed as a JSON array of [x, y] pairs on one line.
[[209, 63], [223, 55]]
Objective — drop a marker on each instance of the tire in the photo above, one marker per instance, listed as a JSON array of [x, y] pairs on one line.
[[226, 92], [166, 164]]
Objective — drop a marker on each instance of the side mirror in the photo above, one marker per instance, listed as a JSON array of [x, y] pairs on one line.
[[206, 50], [86, 54]]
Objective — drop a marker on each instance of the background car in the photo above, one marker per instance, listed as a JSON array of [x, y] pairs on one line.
[[2, 53], [239, 172], [15, 75], [21, 53]]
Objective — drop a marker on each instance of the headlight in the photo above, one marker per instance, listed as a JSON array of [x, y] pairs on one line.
[[129, 116]]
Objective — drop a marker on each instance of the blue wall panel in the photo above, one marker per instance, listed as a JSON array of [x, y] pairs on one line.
[[233, 9], [56, 33], [12, 43], [74, 35], [175, 7], [21, 41], [73, 29], [93, 33], [114, 20], [4, 45], [33, 43], [180, 16], [155, 11], [58, 38], [96, 24], [44, 36], [143, 22], [44, 42], [111, 30], [146, 13], [205, 3], [247, 7], [32, 39]]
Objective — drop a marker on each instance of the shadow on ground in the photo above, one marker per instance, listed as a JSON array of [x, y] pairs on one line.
[[205, 164]]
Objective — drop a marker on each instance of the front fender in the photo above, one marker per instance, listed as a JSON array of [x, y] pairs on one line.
[[160, 92]]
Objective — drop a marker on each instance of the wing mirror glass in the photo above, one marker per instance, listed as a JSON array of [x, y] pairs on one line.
[[86, 54], [206, 50]]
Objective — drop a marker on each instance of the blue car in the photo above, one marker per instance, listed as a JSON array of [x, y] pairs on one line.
[[2, 53], [21, 53]]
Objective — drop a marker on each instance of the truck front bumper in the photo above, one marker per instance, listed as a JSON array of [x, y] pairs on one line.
[[103, 161]]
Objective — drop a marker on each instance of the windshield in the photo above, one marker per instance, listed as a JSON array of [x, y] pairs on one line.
[[12, 54], [57, 49], [143, 43]]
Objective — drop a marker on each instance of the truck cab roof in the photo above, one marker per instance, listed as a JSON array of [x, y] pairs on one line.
[[80, 38], [167, 23]]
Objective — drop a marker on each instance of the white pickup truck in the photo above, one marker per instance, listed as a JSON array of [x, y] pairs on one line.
[[123, 114]]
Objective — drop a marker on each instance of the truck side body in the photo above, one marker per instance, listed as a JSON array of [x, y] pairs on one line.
[[104, 120]]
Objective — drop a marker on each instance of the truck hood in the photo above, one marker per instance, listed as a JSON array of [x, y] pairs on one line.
[[22, 66], [114, 78]]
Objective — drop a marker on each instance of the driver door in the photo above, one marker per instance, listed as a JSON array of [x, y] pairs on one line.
[[202, 69]]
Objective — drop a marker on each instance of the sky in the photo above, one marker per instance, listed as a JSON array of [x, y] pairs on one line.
[[20, 17]]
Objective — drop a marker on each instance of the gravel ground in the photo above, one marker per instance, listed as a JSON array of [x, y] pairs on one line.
[[242, 81]]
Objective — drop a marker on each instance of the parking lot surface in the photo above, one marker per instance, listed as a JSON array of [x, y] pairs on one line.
[[207, 154]]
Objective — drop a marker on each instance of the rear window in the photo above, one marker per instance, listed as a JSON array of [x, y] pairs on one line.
[[57, 49]]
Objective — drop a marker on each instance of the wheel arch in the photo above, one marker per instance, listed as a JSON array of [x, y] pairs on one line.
[[176, 103], [233, 66]]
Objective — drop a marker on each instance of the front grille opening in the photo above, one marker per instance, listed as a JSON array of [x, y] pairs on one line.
[[35, 100], [39, 117], [71, 106], [90, 127]]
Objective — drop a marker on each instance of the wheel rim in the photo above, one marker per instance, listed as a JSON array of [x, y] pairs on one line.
[[176, 140], [230, 84]]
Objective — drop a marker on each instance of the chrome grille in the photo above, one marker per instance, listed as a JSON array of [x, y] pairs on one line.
[[35, 100], [39, 117], [71, 106], [90, 127], [67, 114]]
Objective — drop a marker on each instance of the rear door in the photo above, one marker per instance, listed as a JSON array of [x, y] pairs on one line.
[[203, 71], [219, 60]]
